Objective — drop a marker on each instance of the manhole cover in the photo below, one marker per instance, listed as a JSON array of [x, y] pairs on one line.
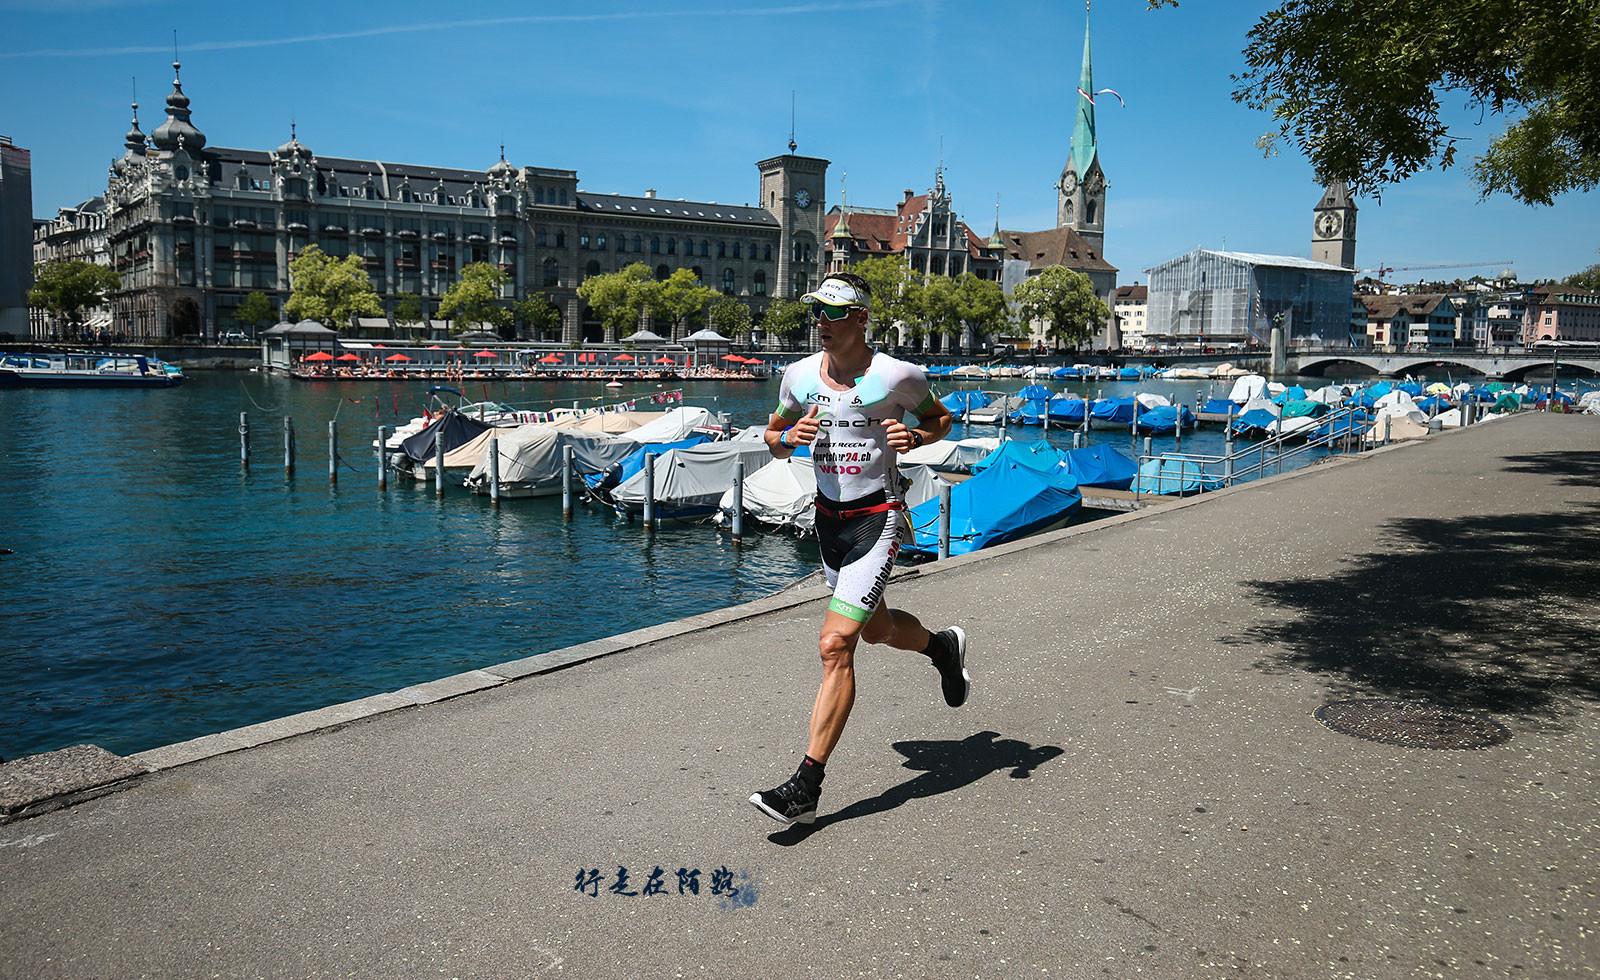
[[1412, 724]]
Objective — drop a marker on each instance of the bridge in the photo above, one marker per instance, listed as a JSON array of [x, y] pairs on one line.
[[1512, 365]]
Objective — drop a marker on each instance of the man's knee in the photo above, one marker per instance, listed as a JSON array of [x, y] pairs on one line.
[[838, 650]]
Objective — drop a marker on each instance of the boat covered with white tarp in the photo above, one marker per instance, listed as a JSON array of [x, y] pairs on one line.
[[530, 462], [689, 482]]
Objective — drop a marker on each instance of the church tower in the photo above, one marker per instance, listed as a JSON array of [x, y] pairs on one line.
[[1081, 194], [1333, 227]]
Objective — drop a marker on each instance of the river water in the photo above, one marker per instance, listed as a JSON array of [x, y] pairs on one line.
[[156, 593]]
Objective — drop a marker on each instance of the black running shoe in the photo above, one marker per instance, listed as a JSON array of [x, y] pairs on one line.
[[793, 802], [953, 676]]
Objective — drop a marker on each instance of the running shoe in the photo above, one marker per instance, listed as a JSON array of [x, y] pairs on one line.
[[953, 676], [793, 802]]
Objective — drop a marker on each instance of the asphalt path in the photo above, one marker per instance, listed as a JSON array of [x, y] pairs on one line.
[[1138, 786]]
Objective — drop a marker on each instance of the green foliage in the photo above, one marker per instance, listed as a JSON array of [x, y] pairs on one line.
[[786, 319], [537, 314], [729, 317], [67, 288], [408, 309], [895, 293], [1064, 301], [983, 305], [1357, 85], [255, 310], [328, 290], [475, 299], [939, 306], [619, 298], [679, 297]]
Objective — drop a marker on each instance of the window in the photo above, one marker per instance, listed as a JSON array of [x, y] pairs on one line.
[[538, 195], [563, 195], [738, 250], [662, 272], [600, 241], [672, 246], [583, 239], [766, 253], [938, 265], [539, 237], [722, 250], [705, 249], [655, 246], [592, 269], [760, 281], [727, 281], [561, 238], [638, 245], [552, 271]]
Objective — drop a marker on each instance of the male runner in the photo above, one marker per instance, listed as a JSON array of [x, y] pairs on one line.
[[848, 403]]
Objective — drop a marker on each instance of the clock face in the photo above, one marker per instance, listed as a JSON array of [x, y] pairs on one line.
[[802, 199], [1328, 223]]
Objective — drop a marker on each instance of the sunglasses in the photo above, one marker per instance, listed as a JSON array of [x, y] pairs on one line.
[[830, 312]]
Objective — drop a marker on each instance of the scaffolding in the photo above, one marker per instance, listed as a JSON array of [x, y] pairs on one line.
[[1208, 296]]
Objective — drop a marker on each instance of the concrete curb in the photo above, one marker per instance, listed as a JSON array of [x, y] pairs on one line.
[[336, 716]]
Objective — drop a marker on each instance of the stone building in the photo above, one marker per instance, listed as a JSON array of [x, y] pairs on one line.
[[924, 228], [194, 228], [16, 229], [1556, 312], [75, 234], [1131, 306]]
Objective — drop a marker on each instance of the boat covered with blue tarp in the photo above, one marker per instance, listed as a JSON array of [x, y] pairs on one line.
[[1113, 410], [623, 469], [959, 401], [1165, 475], [1039, 392], [1220, 406], [1007, 500], [1030, 412], [1064, 409], [1165, 419]]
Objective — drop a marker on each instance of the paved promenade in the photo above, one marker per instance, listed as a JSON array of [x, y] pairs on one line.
[[1138, 786]]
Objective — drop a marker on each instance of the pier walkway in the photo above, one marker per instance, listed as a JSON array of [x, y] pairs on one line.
[[1138, 786]]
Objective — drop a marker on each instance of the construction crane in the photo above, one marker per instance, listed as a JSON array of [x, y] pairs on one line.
[[1384, 270]]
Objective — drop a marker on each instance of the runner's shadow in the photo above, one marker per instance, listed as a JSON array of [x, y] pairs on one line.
[[945, 765]]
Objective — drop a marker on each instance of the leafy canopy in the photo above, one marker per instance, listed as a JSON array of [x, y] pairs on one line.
[[328, 290], [475, 298], [1358, 86], [255, 310], [537, 314], [982, 304], [895, 297], [729, 317], [1064, 302], [69, 287], [679, 297], [619, 298], [408, 309], [786, 319]]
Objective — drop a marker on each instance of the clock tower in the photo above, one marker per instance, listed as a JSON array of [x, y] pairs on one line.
[[1081, 189], [793, 190], [1333, 227]]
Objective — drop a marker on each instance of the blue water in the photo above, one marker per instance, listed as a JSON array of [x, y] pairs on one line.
[[157, 593]]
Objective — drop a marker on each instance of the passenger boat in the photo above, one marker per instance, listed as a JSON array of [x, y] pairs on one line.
[[86, 369]]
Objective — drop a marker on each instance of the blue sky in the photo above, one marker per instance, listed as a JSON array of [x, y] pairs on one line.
[[685, 97]]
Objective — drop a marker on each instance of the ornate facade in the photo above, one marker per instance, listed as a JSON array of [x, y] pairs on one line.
[[193, 228]]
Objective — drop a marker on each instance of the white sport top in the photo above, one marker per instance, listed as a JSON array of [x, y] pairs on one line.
[[851, 454]]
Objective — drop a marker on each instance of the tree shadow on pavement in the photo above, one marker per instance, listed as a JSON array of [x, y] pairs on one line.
[[1573, 469], [1494, 612], [944, 765]]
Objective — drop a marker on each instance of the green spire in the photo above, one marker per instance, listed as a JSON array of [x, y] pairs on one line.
[[842, 229], [995, 242], [1083, 142]]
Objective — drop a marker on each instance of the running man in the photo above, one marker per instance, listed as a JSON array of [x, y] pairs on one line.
[[848, 403]]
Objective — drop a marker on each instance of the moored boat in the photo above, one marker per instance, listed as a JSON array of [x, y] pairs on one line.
[[86, 369]]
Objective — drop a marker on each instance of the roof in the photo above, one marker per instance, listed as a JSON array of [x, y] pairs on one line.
[[663, 208], [1279, 261], [876, 231], [1132, 294], [305, 328], [1055, 246], [1388, 306]]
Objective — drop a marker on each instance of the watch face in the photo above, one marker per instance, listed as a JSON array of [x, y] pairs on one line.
[[1328, 224], [802, 199]]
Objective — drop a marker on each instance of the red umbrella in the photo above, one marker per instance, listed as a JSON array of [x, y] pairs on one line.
[[663, 359], [550, 359], [377, 345], [754, 360], [320, 355], [487, 355], [734, 358], [348, 357], [434, 347], [623, 357], [397, 357]]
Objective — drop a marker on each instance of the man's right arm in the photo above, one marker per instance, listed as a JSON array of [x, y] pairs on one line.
[[777, 425]]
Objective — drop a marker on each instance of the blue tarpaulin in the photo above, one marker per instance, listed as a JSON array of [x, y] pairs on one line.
[[958, 401], [1174, 476], [1063, 409], [1036, 391], [1035, 454], [1433, 403], [1006, 501], [1101, 466], [1030, 412], [1130, 374], [1257, 421], [1164, 419], [1294, 393], [624, 469], [1220, 406], [1411, 388], [1113, 410]]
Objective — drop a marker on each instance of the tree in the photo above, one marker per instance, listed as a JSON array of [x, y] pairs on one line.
[[255, 310], [475, 298], [618, 298], [785, 319], [983, 305], [408, 311], [1357, 85], [939, 303], [680, 296], [729, 317], [67, 288], [328, 290], [1587, 279], [537, 315], [1064, 301], [894, 292]]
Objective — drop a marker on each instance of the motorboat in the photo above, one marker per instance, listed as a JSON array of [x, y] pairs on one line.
[[87, 369]]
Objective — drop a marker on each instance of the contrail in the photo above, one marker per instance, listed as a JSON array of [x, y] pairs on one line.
[[445, 25]]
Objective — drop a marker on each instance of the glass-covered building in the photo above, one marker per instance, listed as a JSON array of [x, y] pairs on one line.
[[1208, 296]]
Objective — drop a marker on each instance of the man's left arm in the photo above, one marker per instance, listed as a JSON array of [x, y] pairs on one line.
[[933, 423]]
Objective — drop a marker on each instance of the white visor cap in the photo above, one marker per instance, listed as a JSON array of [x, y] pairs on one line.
[[836, 292]]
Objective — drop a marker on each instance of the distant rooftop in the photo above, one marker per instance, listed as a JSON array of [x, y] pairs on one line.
[[1281, 261]]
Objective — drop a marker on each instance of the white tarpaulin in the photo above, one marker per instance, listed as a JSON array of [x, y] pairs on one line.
[[1247, 388], [672, 426], [1149, 400], [530, 462], [466, 455], [1407, 410], [1331, 395], [779, 493], [949, 455], [689, 482], [596, 452], [1259, 403], [1400, 427]]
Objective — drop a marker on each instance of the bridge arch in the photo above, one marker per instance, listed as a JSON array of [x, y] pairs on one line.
[[1342, 367], [1569, 369], [1431, 366]]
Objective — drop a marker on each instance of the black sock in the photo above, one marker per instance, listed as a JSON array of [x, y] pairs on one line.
[[937, 648], [811, 772]]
